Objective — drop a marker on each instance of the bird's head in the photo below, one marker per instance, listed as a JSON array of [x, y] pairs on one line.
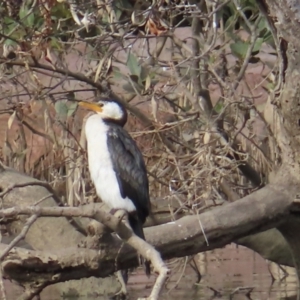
[[108, 110]]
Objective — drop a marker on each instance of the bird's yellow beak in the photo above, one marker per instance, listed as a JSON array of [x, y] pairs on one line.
[[92, 106]]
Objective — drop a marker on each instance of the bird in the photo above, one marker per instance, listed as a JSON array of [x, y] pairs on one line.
[[116, 164]]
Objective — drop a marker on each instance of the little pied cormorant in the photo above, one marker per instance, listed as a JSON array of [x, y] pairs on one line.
[[116, 164]]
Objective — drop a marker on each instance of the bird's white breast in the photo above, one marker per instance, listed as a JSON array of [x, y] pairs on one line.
[[100, 165]]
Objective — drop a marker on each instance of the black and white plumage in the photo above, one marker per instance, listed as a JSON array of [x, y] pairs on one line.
[[116, 164]]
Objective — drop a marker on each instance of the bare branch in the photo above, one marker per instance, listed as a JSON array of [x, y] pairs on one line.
[[20, 236]]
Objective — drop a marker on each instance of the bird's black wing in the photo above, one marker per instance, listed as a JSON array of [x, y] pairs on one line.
[[130, 169]]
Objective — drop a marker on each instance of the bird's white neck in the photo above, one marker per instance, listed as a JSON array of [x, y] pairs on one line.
[[94, 127]]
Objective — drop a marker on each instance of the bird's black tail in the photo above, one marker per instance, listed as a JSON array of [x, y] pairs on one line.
[[137, 228]]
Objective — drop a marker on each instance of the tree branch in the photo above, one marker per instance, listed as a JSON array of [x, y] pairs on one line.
[[257, 212]]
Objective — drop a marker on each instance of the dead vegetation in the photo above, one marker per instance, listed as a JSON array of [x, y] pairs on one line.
[[42, 136]]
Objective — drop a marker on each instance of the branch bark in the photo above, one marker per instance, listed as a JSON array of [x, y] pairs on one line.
[[257, 212], [264, 209]]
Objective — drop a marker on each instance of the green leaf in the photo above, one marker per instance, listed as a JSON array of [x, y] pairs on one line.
[[235, 37], [23, 12], [8, 25], [60, 11], [30, 20], [26, 16], [144, 73], [257, 45], [118, 13], [10, 42], [239, 49], [61, 108], [133, 65], [219, 106], [72, 108], [121, 6], [19, 34], [268, 38], [65, 109], [230, 23], [262, 26], [55, 44], [270, 86], [117, 74]]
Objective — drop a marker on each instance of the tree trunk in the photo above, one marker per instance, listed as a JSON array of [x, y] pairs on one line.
[[284, 17]]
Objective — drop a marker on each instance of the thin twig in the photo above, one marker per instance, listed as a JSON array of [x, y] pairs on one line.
[[79, 77], [22, 185], [20, 236]]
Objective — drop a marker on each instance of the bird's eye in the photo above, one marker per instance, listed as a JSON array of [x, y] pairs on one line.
[[101, 104]]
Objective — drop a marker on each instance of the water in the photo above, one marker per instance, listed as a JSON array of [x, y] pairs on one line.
[[229, 273]]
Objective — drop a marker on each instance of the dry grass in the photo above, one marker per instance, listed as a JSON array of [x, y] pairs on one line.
[[182, 152]]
